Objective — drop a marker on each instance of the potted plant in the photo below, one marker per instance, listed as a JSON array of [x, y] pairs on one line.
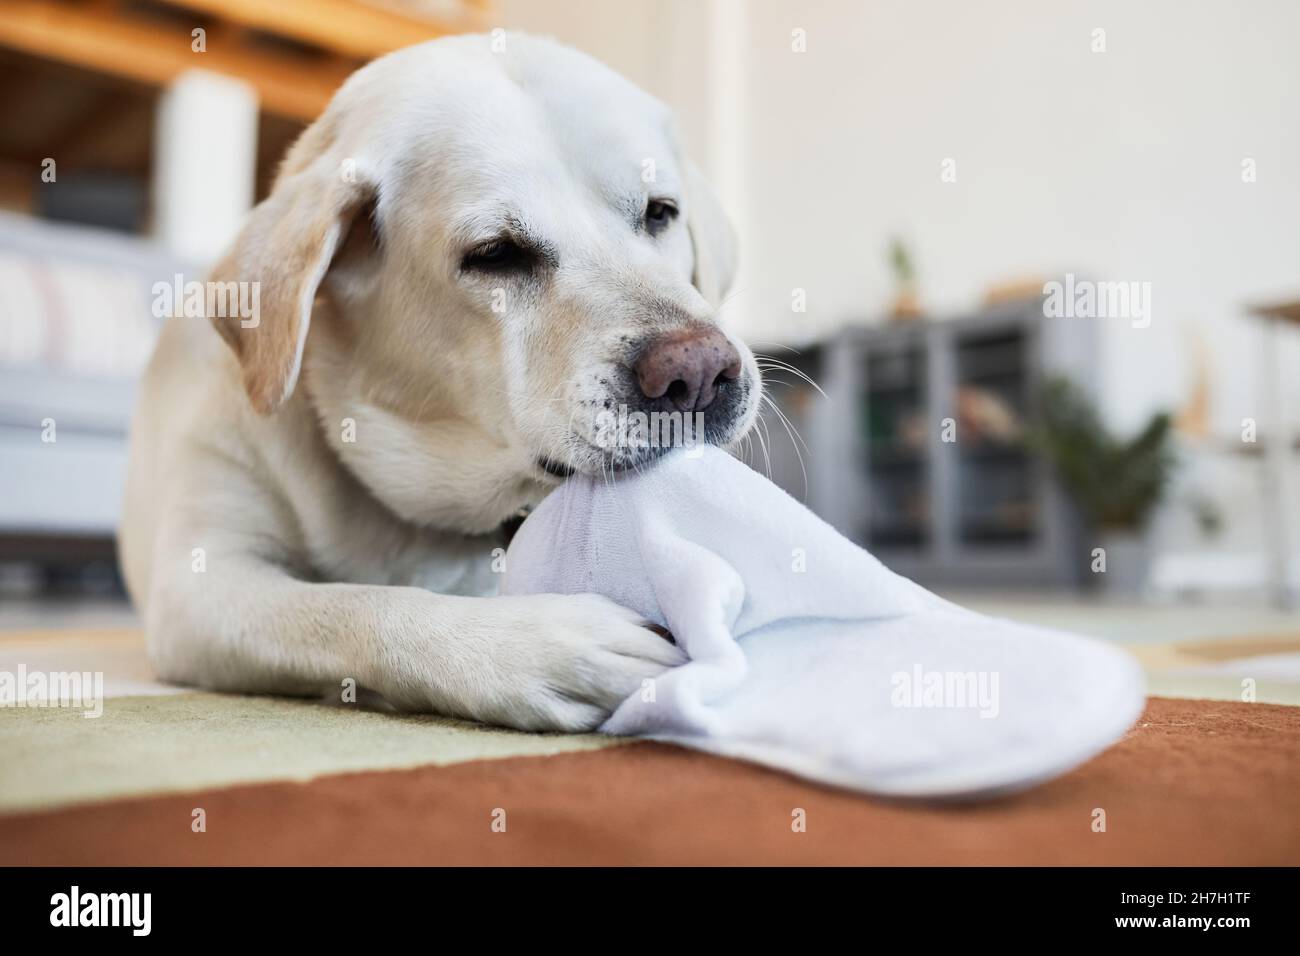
[[907, 305], [1115, 483]]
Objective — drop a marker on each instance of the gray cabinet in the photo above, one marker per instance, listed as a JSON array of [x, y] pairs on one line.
[[916, 451]]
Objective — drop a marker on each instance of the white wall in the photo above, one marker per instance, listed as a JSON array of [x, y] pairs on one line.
[[1117, 165], [1122, 165]]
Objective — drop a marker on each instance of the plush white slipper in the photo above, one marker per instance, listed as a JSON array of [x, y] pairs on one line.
[[806, 653]]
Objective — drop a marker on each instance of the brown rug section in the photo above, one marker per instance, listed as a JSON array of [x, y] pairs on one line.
[[1195, 782]]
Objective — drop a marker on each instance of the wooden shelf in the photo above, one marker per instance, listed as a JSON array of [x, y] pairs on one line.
[[346, 27], [321, 41]]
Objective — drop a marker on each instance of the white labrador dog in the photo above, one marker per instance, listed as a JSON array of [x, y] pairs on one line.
[[465, 261]]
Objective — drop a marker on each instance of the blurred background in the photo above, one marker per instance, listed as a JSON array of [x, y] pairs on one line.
[[1041, 261]]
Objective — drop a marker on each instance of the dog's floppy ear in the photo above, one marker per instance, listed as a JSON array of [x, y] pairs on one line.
[[286, 247], [712, 236]]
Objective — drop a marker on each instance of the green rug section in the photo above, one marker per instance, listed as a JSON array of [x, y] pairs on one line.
[[53, 757]]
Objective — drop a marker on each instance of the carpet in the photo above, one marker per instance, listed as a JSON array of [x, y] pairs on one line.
[[277, 781]]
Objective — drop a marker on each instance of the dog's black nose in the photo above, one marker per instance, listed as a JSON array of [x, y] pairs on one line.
[[684, 370]]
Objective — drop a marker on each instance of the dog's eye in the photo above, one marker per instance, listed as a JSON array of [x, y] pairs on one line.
[[499, 255], [659, 213]]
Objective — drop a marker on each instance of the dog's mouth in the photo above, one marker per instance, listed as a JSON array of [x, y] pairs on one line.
[[590, 459], [635, 437], [598, 464], [554, 468]]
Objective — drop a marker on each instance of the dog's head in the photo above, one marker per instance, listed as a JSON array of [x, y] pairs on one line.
[[490, 266]]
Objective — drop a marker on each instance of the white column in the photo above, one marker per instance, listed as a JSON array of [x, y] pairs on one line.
[[205, 164], [1278, 509]]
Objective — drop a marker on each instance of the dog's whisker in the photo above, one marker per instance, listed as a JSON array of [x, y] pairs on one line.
[[768, 362], [772, 345], [795, 440], [795, 437], [764, 439]]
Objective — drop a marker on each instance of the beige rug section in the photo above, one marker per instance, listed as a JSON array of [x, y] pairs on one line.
[[1254, 669], [54, 757], [154, 738]]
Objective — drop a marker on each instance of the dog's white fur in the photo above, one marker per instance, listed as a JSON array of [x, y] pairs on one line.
[[269, 553]]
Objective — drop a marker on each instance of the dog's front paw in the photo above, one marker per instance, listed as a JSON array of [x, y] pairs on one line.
[[559, 662], [581, 656]]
